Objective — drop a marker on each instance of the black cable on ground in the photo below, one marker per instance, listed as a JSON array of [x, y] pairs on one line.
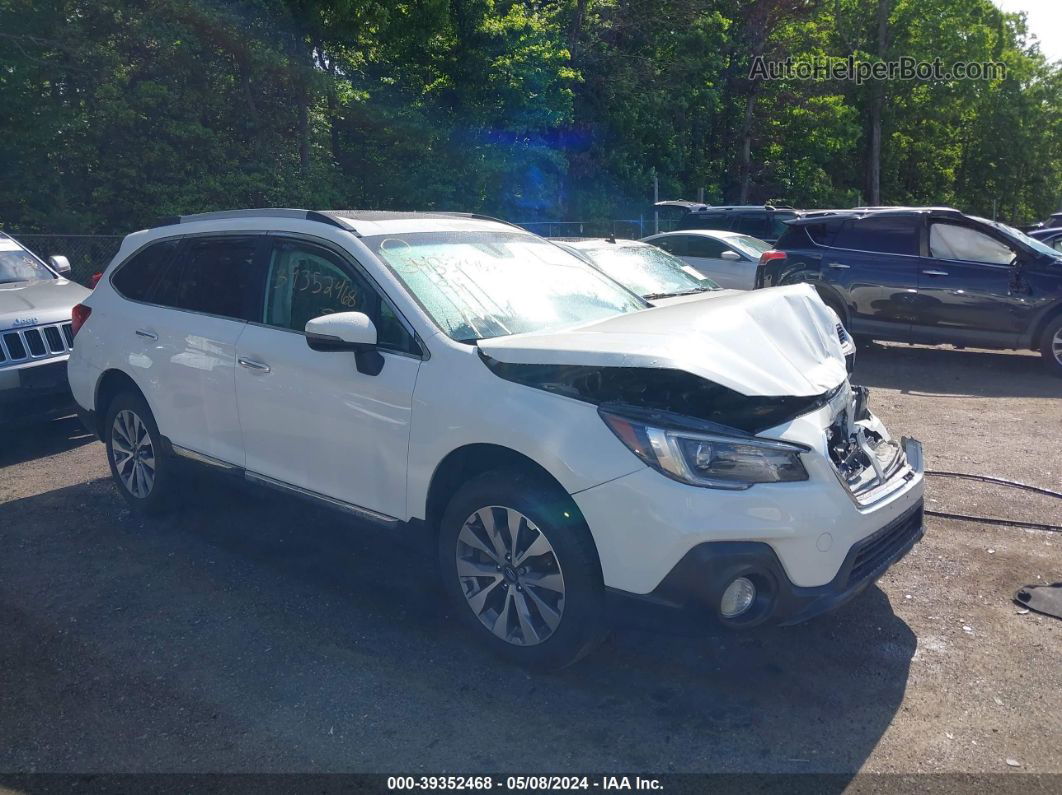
[[1001, 482]]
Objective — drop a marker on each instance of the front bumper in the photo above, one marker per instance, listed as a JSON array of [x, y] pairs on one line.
[[691, 592], [34, 391]]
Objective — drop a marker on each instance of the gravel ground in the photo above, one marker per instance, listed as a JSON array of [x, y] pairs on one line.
[[247, 632]]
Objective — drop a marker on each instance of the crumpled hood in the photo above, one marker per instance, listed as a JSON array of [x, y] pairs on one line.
[[25, 304], [780, 341]]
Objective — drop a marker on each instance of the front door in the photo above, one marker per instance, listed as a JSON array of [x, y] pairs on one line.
[[968, 284], [734, 271], [310, 419]]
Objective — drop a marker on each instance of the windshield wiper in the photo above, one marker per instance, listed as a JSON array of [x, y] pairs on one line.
[[658, 296]]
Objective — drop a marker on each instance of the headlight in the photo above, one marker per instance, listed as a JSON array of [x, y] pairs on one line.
[[712, 460]]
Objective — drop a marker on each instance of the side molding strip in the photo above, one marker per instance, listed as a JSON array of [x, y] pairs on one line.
[[346, 507]]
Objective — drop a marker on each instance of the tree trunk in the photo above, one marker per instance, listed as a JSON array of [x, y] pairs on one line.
[[877, 107], [745, 163]]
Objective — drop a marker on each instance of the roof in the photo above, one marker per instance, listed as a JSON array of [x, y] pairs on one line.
[[703, 232], [360, 222], [596, 242], [698, 207], [818, 216]]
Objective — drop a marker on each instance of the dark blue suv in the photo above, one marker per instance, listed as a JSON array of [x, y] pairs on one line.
[[927, 275]]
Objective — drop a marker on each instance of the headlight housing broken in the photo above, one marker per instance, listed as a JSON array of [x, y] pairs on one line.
[[710, 460]]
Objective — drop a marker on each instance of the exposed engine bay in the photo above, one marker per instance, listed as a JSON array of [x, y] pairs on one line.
[[670, 390], [865, 460]]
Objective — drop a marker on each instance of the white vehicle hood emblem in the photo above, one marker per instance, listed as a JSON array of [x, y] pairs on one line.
[[781, 341]]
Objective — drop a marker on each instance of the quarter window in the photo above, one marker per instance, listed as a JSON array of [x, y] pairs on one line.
[[138, 278], [951, 241]]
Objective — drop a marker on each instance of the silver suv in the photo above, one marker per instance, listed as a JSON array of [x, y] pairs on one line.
[[35, 336]]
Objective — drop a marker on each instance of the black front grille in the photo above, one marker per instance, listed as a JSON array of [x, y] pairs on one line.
[[874, 554], [54, 339], [15, 346], [68, 332], [35, 342]]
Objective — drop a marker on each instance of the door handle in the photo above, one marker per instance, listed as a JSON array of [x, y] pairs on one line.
[[839, 266], [151, 335], [251, 364], [935, 273]]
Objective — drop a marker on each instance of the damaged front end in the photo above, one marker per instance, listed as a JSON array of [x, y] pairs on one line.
[[868, 463], [671, 391]]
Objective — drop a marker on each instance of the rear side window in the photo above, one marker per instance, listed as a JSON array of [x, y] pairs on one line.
[[756, 225], [141, 274], [217, 277], [675, 244], [705, 221], [887, 235]]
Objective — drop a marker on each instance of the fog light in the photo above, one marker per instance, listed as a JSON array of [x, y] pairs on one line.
[[737, 598]]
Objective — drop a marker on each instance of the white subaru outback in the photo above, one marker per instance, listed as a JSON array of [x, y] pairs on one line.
[[573, 453]]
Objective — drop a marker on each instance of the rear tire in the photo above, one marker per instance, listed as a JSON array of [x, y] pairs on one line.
[[521, 571], [140, 467], [1051, 346]]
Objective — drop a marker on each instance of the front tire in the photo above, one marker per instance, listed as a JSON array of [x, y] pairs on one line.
[[521, 571], [139, 465], [1051, 347]]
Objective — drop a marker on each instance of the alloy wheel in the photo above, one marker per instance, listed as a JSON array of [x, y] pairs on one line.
[[1056, 346], [133, 453], [510, 575]]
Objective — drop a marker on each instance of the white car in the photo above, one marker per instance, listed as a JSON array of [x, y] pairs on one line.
[[727, 258], [35, 334], [566, 447], [662, 278]]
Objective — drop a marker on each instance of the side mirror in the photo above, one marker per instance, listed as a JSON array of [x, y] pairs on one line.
[[347, 331], [733, 256], [60, 265], [341, 331]]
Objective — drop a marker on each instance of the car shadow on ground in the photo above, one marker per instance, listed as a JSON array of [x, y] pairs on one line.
[[249, 632], [39, 439], [945, 371]]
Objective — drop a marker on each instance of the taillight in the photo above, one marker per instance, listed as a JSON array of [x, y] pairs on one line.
[[773, 254], [95, 279], [78, 316]]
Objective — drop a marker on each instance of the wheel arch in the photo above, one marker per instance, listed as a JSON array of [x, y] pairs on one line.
[[110, 384], [1051, 314], [471, 460]]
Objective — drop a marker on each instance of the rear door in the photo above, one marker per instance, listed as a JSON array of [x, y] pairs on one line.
[[872, 264], [185, 346], [968, 289]]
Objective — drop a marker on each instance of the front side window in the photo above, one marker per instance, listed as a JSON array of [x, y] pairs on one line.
[[706, 247], [951, 241], [885, 235], [216, 277], [305, 281], [479, 284], [18, 265], [138, 279]]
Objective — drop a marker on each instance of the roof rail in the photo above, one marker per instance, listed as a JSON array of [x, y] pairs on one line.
[[265, 212]]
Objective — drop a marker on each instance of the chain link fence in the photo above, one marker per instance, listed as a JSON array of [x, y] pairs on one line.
[[88, 254]]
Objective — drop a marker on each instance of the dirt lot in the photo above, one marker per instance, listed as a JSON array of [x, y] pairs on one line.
[[249, 633]]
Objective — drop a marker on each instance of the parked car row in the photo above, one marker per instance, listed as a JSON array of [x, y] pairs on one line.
[[571, 449], [908, 274]]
